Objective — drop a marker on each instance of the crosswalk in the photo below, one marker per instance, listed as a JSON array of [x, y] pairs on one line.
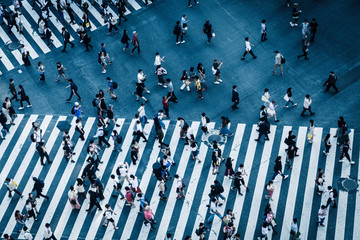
[[293, 197], [10, 58]]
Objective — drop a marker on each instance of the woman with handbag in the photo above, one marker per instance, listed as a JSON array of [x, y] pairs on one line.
[[270, 190], [72, 196], [288, 98], [30, 210], [41, 71], [229, 172], [185, 80]]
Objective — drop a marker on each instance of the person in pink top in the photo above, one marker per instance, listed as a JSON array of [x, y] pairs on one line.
[[135, 42], [149, 217]]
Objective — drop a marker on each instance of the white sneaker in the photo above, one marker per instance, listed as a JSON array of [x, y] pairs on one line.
[[21, 108], [103, 71], [352, 162], [341, 160], [148, 92], [286, 176], [160, 84], [182, 41], [216, 82], [219, 80], [164, 86], [29, 105], [177, 42], [188, 90], [291, 24], [295, 24]]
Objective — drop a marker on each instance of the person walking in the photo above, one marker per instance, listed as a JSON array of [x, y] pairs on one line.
[[183, 24], [79, 128], [180, 186], [295, 15], [23, 97], [306, 105], [200, 231], [321, 216], [178, 32], [344, 148], [25, 55], [198, 88], [108, 217], [117, 141], [158, 60], [93, 201], [213, 211], [248, 49], [40, 148], [208, 30], [288, 98], [134, 184], [135, 42], [331, 82], [120, 5], [263, 30], [229, 171], [27, 234], [185, 80], [165, 103], [41, 71], [204, 121], [112, 23], [271, 110], [111, 88], [12, 89], [48, 234], [101, 134], [278, 169], [189, 4], [314, 26], [86, 41], [319, 181], [305, 48], [130, 197], [305, 28], [224, 130], [141, 79], [74, 88], [270, 188], [160, 72], [117, 186], [72, 196], [216, 71], [12, 187], [332, 194], [311, 131], [263, 130], [279, 59], [235, 98], [66, 36], [61, 71], [149, 218], [327, 144], [294, 230], [38, 187]]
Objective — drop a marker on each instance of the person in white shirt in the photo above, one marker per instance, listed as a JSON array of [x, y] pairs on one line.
[[266, 97], [180, 187], [264, 231], [271, 110], [100, 133], [141, 79], [48, 234], [124, 169], [183, 24], [27, 234], [263, 30], [72, 195], [213, 211], [139, 132], [204, 122], [307, 107], [117, 186], [248, 49], [305, 28], [331, 197], [158, 60], [321, 216], [112, 22], [12, 186], [134, 183], [278, 62], [294, 232], [108, 217], [142, 115]]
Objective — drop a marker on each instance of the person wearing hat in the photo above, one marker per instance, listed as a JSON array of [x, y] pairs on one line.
[[135, 42], [330, 82]]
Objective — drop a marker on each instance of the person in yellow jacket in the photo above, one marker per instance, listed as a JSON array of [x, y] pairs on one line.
[[198, 87]]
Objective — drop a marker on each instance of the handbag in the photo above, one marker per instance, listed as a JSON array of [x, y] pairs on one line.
[[213, 35], [286, 98], [273, 223], [73, 202], [187, 82]]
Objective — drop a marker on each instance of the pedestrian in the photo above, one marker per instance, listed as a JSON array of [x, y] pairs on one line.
[[183, 24], [171, 92], [305, 28], [160, 72], [331, 82], [195, 152], [25, 55], [229, 171], [12, 89], [270, 190], [27, 234], [288, 98], [158, 60], [48, 34], [72, 196], [294, 230], [61, 71], [110, 115], [319, 181], [112, 85], [112, 24], [200, 231], [224, 130], [122, 171], [130, 197], [162, 189], [8, 111], [20, 220], [93, 201], [102, 61], [189, 4], [263, 30], [204, 121], [108, 217], [8, 237], [279, 60], [201, 71], [311, 131], [138, 132], [216, 71], [327, 144], [141, 79], [143, 202], [80, 129], [235, 98], [23, 97], [321, 216], [178, 32], [120, 5], [38, 187], [68, 150], [142, 115], [48, 234], [295, 15], [33, 203], [86, 41], [117, 186], [271, 110], [135, 42], [213, 211], [208, 30], [290, 156], [74, 88], [306, 105], [305, 48], [314, 26], [79, 188], [278, 169], [101, 133], [199, 88], [149, 218], [332, 194], [66, 36], [180, 186], [12, 187], [344, 148], [185, 80], [77, 110], [248, 49], [106, 54], [134, 184], [266, 97], [41, 71], [165, 103]]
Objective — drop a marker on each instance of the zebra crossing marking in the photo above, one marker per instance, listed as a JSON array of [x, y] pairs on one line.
[[134, 4], [16, 53], [6, 61], [356, 232]]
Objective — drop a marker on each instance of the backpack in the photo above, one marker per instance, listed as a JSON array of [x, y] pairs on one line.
[[94, 102], [286, 141], [283, 61], [221, 189], [73, 110], [197, 232], [42, 183], [118, 171], [119, 139], [115, 85], [99, 57], [32, 137], [207, 119], [335, 193], [174, 31]]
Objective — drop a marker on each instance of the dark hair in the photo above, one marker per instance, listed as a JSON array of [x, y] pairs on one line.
[[246, 39], [234, 86], [263, 21]]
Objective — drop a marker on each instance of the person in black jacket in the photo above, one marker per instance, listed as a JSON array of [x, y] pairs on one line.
[[86, 41], [235, 98], [93, 201], [330, 82], [201, 231], [125, 40], [23, 97], [278, 169], [74, 89], [42, 152], [66, 36], [120, 5], [178, 33], [38, 187], [263, 130]]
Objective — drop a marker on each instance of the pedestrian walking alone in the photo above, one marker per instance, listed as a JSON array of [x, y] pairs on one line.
[[229, 171], [270, 190], [23, 97], [93, 201], [305, 48], [135, 42], [48, 234], [66, 36], [321, 216], [12, 187], [73, 88], [216, 71], [327, 144], [278, 169], [61, 71], [263, 30], [288, 98], [248, 49], [72, 196], [331, 82], [314, 26], [12, 89], [279, 60], [295, 15], [208, 30], [108, 217], [41, 71], [38, 187], [294, 230], [307, 105], [125, 40], [332, 194], [235, 98], [344, 148]]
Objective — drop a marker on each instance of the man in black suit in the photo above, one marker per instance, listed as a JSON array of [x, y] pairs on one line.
[[330, 82], [66, 36], [235, 98]]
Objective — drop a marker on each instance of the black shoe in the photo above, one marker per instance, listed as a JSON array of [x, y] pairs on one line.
[[256, 140], [312, 113], [267, 139], [80, 99], [68, 100], [49, 161], [42, 164]]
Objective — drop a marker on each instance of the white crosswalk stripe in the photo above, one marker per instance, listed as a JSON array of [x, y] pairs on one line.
[[178, 217]]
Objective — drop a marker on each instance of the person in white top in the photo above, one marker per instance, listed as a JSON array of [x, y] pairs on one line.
[[72, 195], [311, 131], [263, 30], [321, 216], [108, 216], [305, 28], [278, 62], [271, 110], [27, 234], [183, 24], [180, 187], [112, 22], [134, 183], [124, 169], [12, 186], [204, 122], [266, 97], [25, 55], [248, 49], [307, 107], [48, 234], [141, 79], [142, 115], [138, 131], [158, 60]]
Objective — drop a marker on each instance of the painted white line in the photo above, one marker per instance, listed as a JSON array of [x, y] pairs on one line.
[[7, 40], [5, 143], [36, 171], [35, 17], [79, 12], [109, 9], [134, 4], [17, 55], [329, 172], [260, 184], [66, 17], [310, 184], [172, 196], [81, 216], [343, 196], [6, 61], [149, 2], [145, 180], [192, 185], [294, 183], [356, 231], [239, 201], [63, 182], [95, 13]]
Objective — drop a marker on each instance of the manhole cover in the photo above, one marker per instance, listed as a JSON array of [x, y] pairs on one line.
[[348, 184], [212, 136], [13, 45]]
